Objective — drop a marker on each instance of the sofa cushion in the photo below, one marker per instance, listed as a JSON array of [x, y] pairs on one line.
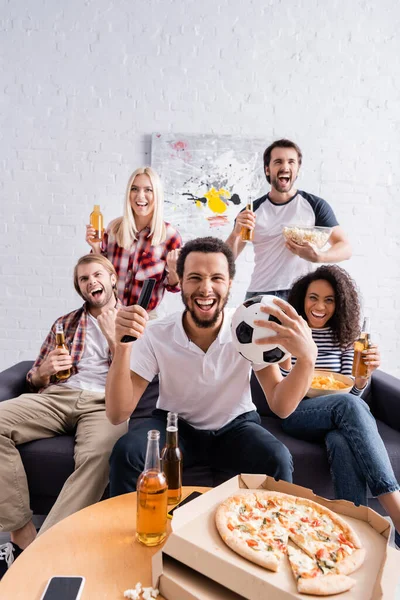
[[391, 439], [48, 463]]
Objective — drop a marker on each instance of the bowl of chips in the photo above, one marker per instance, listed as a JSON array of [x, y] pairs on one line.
[[325, 383], [301, 234]]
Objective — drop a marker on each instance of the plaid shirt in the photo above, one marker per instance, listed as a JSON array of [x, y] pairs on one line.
[[141, 262], [75, 326]]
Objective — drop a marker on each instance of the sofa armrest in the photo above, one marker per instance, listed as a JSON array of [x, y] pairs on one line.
[[384, 398], [13, 380]]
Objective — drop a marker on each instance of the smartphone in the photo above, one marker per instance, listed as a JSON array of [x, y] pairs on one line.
[[63, 588], [185, 500], [144, 299]]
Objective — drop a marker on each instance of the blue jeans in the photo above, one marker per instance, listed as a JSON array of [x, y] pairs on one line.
[[241, 446], [356, 452], [284, 294]]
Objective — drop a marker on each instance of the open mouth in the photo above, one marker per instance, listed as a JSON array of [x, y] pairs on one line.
[[97, 293], [318, 315], [284, 179], [205, 305], [141, 204]]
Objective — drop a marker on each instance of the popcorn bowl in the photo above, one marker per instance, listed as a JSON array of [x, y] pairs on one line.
[[301, 234]]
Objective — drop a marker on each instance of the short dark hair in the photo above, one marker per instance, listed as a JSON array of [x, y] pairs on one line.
[[345, 322], [206, 245], [283, 143]]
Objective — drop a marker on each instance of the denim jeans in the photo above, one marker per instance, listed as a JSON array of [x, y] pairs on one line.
[[356, 452], [241, 446], [284, 294]]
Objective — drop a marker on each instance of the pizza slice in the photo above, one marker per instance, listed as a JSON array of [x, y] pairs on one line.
[[252, 531], [323, 534], [313, 578]]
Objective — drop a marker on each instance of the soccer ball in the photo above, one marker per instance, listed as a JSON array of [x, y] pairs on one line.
[[245, 333]]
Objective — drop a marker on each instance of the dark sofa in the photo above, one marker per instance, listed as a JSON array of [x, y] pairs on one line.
[[49, 462]]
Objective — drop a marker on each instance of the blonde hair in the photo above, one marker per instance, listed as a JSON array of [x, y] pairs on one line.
[[124, 228], [101, 260]]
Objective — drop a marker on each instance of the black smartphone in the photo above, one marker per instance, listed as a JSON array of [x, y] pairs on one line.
[[184, 500], [144, 299], [64, 588]]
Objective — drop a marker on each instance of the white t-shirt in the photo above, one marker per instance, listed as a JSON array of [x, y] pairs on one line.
[[206, 389], [93, 366], [275, 266]]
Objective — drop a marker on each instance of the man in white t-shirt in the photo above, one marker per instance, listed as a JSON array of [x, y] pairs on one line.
[[73, 404], [202, 377], [277, 263]]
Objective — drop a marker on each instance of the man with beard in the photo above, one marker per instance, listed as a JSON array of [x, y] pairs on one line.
[[73, 404], [202, 377], [278, 262]]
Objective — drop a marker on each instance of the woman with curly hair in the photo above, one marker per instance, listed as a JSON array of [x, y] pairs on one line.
[[328, 300]]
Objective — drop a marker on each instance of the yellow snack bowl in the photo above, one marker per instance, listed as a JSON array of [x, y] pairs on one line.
[[325, 383]]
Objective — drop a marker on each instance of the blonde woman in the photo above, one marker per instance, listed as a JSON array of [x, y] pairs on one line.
[[140, 244]]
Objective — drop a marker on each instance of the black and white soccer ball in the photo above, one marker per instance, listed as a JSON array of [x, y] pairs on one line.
[[245, 333]]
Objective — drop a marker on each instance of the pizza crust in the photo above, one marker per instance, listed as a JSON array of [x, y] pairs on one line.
[[351, 563], [325, 585]]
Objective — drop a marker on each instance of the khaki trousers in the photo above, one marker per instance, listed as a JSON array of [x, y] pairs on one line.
[[58, 410]]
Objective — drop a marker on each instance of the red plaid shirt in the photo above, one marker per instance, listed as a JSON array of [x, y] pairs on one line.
[[75, 326], [141, 262]]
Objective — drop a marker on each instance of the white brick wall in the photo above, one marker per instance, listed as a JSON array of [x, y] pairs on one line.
[[85, 84]]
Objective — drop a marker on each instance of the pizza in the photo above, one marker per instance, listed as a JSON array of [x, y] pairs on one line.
[[321, 547]]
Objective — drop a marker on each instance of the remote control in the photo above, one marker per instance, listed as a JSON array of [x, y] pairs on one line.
[[143, 301]]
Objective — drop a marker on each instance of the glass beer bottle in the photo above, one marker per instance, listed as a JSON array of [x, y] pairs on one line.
[[152, 496], [360, 369], [246, 233], [171, 460], [60, 343], [96, 221]]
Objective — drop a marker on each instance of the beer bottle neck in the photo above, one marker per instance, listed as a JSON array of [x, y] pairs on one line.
[[152, 462], [172, 437]]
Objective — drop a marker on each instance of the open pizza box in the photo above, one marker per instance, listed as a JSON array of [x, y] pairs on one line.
[[195, 563]]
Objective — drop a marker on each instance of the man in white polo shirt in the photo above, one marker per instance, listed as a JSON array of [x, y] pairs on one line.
[[202, 377], [277, 263]]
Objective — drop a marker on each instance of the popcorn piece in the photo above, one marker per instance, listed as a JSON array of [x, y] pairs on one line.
[[132, 594], [141, 593]]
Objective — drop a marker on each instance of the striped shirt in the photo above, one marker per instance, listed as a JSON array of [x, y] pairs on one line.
[[75, 327], [331, 356], [141, 262]]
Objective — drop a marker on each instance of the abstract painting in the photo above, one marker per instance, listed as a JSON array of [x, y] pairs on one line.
[[207, 179]]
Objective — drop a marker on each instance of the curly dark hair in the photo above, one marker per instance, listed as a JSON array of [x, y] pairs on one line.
[[207, 245], [345, 322]]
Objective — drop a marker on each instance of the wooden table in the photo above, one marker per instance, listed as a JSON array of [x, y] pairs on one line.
[[97, 542]]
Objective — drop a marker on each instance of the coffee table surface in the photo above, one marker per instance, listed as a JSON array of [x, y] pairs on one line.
[[97, 543]]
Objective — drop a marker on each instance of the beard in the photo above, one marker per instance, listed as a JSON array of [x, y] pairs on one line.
[[283, 187], [103, 300], [205, 323]]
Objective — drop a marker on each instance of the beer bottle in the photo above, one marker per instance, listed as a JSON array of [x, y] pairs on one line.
[[152, 496], [360, 369], [171, 460], [60, 343], [246, 233], [96, 221]]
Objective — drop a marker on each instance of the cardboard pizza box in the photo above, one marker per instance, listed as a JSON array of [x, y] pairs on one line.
[[195, 563]]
